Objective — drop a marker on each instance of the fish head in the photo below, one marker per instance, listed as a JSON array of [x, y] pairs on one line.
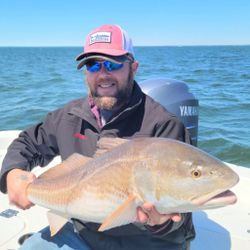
[[188, 178]]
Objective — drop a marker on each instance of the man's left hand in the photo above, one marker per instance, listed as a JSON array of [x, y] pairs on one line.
[[147, 214]]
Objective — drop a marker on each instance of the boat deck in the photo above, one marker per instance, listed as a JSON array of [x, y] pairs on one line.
[[219, 229]]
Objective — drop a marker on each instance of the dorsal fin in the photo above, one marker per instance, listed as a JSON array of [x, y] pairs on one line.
[[106, 143], [73, 162]]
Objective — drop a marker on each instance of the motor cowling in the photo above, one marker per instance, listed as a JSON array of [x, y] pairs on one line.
[[174, 95]]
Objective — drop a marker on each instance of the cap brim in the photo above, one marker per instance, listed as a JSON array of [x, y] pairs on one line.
[[102, 57], [110, 52]]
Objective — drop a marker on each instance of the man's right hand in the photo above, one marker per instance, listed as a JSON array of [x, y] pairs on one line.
[[17, 183]]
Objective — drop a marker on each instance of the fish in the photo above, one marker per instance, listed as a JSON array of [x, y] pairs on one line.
[[124, 174]]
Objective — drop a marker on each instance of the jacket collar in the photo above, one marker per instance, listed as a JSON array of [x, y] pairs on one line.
[[86, 111]]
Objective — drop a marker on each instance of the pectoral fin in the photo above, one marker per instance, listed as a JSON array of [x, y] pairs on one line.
[[56, 222], [124, 214]]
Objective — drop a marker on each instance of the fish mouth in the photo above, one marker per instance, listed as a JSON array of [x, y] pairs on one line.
[[222, 199], [219, 198]]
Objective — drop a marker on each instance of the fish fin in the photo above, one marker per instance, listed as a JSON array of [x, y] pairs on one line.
[[72, 163], [124, 214], [56, 222], [105, 144]]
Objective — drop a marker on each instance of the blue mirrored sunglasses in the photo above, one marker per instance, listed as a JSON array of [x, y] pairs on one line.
[[95, 66]]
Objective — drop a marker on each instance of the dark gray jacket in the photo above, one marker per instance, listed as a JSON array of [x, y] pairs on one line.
[[74, 128]]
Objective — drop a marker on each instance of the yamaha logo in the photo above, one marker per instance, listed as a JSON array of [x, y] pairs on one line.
[[189, 111]]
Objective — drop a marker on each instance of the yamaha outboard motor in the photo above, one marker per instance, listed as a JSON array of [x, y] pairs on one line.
[[175, 97]]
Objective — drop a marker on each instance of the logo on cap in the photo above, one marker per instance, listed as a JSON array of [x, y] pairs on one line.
[[100, 37]]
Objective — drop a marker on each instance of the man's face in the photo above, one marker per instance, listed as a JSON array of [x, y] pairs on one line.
[[111, 89]]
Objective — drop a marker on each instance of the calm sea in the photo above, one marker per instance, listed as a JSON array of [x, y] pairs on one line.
[[34, 81]]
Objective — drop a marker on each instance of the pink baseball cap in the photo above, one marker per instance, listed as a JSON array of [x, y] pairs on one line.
[[105, 42]]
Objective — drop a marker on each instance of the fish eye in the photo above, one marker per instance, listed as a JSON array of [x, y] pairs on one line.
[[196, 173]]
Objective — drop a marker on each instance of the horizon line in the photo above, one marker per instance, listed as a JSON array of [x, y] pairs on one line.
[[77, 46]]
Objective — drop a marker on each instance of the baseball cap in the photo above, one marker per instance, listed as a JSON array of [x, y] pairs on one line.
[[105, 42]]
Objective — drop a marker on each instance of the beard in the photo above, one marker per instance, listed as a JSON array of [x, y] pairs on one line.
[[117, 100]]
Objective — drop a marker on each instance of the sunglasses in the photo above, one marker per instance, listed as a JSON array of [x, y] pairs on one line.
[[95, 66]]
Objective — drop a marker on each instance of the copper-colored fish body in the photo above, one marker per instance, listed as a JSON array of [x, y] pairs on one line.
[[172, 175]]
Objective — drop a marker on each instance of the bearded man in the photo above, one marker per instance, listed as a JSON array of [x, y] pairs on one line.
[[114, 107]]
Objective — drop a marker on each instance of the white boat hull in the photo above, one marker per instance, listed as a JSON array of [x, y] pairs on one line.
[[219, 229]]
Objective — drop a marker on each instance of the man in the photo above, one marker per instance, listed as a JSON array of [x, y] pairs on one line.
[[115, 107]]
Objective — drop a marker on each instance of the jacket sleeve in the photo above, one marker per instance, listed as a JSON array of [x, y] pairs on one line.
[[173, 129], [34, 146]]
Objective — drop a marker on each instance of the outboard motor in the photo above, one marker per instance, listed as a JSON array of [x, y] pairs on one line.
[[175, 97]]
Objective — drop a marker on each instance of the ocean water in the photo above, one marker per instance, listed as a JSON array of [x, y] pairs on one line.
[[34, 81]]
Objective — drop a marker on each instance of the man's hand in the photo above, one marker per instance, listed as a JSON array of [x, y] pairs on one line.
[[17, 183], [147, 214]]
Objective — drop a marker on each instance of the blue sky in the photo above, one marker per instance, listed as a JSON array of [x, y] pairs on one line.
[[149, 22]]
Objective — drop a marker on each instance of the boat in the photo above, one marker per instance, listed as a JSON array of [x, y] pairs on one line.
[[226, 228], [218, 229]]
